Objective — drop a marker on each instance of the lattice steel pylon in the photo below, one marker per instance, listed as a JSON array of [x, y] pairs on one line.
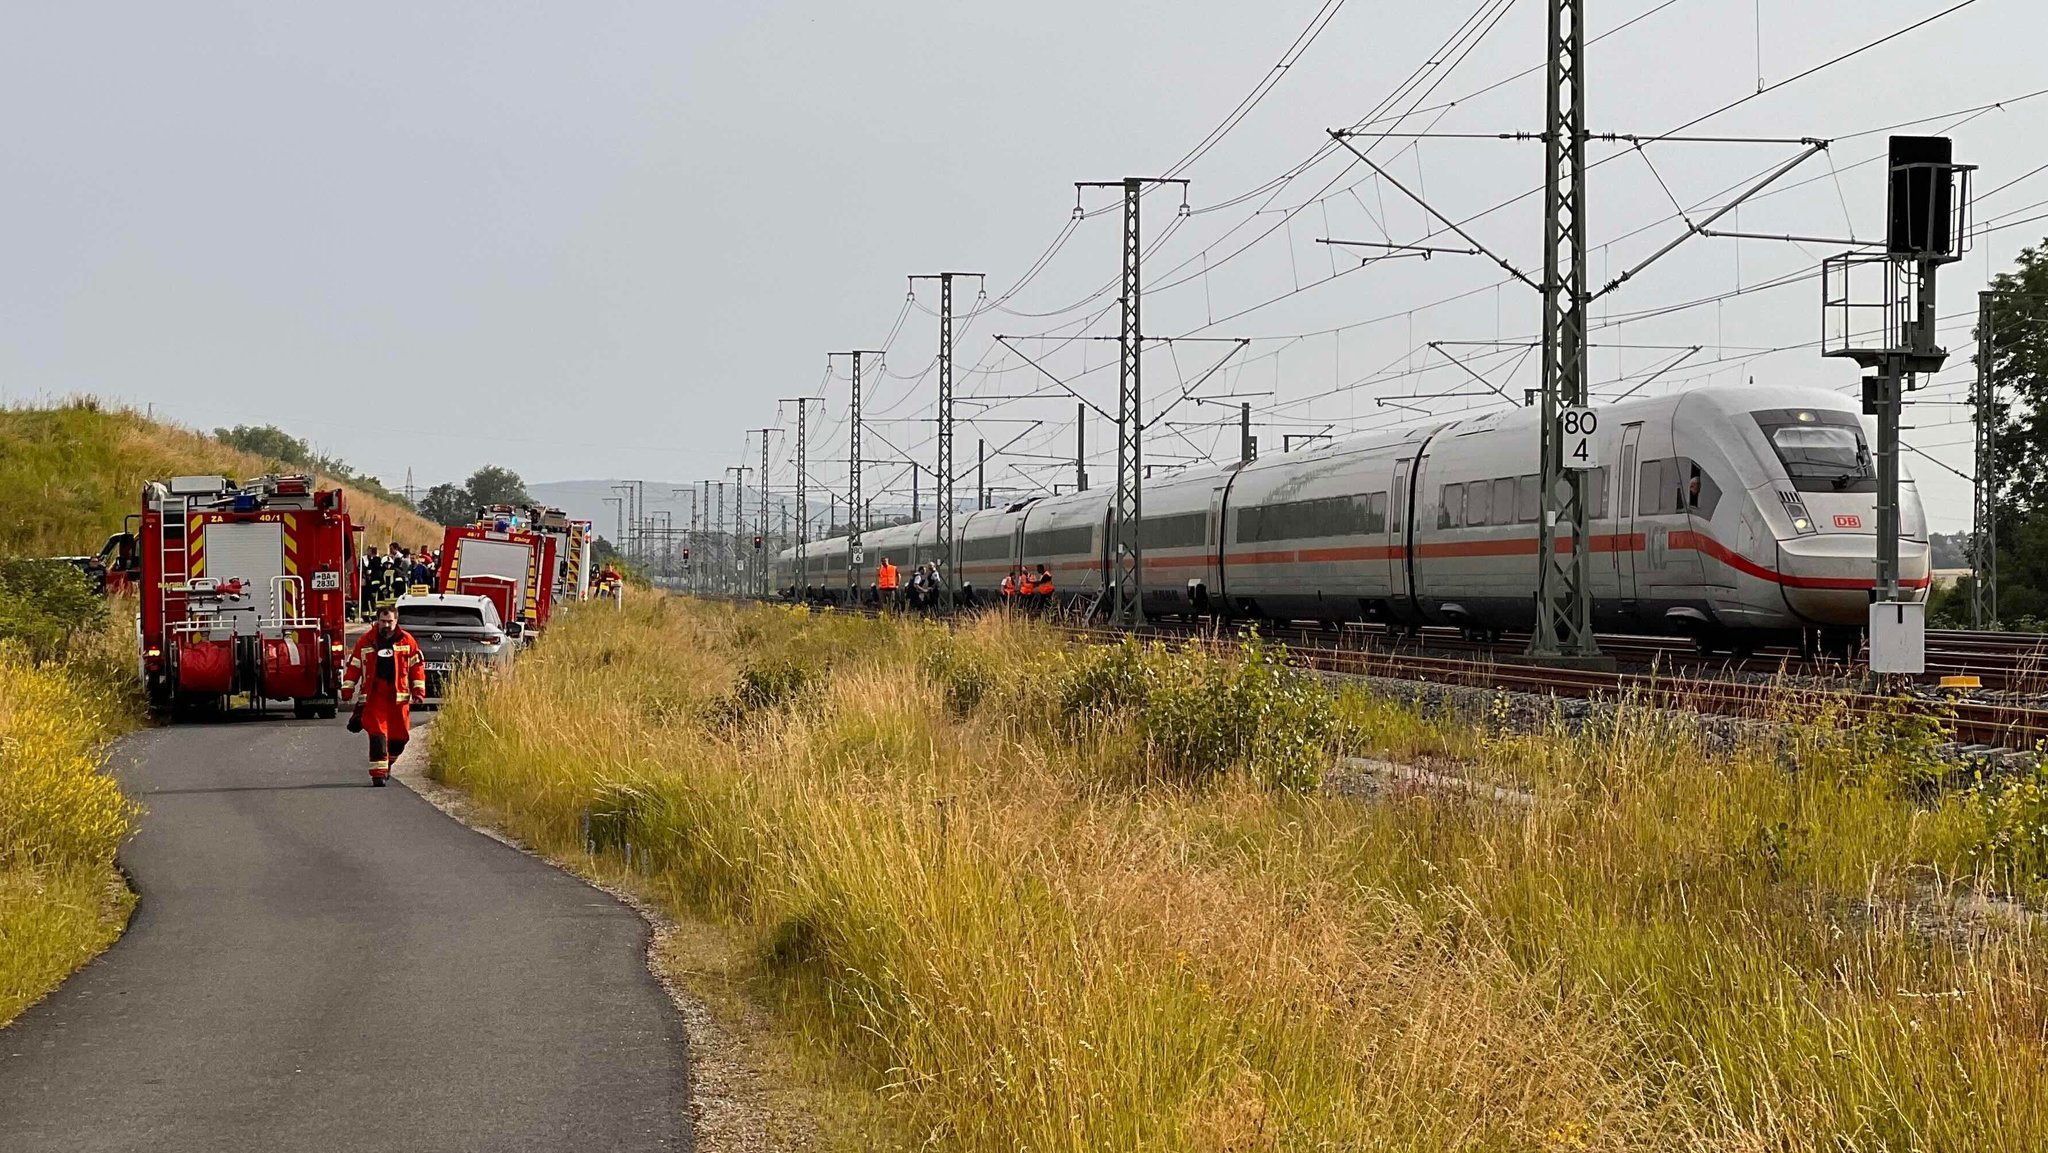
[[854, 557], [1564, 583], [1125, 592], [803, 492], [943, 527]]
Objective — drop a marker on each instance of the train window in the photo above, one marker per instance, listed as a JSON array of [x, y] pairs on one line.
[[1504, 504], [1450, 512], [1322, 517], [985, 548], [1596, 493], [1528, 498], [1183, 530], [1656, 489], [1821, 451], [1400, 503], [1074, 541], [1478, 504], [1702, 494]]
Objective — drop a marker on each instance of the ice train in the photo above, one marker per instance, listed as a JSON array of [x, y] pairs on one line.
[[1738, 516]]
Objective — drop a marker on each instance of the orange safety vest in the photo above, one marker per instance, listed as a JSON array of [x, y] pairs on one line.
[[1009, 586], [1045, 583], [885, 577], [1027, 585]]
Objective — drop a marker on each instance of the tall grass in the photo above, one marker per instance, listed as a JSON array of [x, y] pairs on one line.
[[61, 815], [1031, 896], [69, 474]]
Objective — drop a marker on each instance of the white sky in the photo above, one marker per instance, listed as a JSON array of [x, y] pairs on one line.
[[600, 239]]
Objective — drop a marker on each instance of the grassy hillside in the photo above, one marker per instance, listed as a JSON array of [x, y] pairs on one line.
[[69, 475]]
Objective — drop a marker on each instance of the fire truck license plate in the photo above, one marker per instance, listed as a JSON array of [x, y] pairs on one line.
[[326, 581]]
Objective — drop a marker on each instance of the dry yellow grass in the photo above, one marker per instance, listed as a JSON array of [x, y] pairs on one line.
[[68, 476], [985, 904], [61, 815]]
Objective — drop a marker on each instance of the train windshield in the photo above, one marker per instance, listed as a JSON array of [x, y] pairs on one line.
[[1821, 451]]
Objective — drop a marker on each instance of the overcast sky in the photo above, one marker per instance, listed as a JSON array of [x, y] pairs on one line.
[[601, 239]]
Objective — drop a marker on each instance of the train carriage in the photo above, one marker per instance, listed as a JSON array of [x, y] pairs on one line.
[[1734, 515]]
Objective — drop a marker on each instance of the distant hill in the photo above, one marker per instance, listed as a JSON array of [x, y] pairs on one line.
[[68, 475]]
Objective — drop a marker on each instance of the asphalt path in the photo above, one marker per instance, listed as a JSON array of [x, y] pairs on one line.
[[319, 965]]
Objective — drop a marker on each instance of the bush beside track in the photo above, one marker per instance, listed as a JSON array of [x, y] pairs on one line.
[[67, 687], [1029, 894]]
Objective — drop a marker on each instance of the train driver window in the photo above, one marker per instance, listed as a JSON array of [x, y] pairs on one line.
[[1701, 493], [1504, 500], [1528, 498], [1478, 504], [1450, 512]]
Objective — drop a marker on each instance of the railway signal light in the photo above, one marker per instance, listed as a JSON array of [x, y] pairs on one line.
[[757, 540]]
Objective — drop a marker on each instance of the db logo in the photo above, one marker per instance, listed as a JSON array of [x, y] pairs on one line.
[[1849, 520]]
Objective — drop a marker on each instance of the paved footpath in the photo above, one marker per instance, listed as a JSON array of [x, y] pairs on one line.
[[319, 965]]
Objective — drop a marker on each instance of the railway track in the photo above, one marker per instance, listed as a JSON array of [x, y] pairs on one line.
[[1670, 672]]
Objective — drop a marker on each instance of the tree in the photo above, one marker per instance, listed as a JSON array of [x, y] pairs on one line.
[[2018, 348], [269, 442], [448, 504], [492, 484]]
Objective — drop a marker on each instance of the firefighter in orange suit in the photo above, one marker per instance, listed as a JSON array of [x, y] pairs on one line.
[[387, 666]]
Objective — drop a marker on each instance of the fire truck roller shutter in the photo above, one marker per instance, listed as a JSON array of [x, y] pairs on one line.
[[252, 551]]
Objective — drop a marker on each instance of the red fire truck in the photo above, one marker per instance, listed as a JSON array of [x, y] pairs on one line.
[[244, 591], [506, 561]]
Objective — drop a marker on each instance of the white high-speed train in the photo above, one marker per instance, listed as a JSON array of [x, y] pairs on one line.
[[1734, 515]]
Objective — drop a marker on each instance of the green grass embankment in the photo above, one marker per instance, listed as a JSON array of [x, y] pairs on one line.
[[1026, 895], [70, 474]]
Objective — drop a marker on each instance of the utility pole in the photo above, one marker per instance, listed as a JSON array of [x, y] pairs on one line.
[[854, 556], [980, 474], [1080, 448], [741, 573], [803, 498], [619, 539], [1127, 558], [762, 476], [708, 571], [719, 518], [915, 515], [1247, 448], [1564, 585], [625, 499], [1984, 476], [944, 475], [689, 538]]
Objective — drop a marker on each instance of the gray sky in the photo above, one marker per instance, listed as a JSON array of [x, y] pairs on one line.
[[599, 239]]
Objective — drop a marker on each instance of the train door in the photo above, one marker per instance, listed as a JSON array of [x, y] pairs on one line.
[[1628, 547], [1398, 591], [1213, 590]]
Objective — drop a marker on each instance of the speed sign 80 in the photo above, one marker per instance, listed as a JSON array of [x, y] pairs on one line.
[[1576, 428]]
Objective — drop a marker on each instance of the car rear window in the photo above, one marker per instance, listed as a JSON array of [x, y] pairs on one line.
[[440, 617]]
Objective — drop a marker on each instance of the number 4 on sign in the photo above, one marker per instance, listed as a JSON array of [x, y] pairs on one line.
[[1575, 430]]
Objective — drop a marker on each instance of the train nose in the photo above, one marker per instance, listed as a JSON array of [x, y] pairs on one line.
[[1827, 578]]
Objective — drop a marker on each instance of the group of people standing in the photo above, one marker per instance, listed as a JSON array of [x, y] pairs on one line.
[[1027, 590], [922, 591], [391, 575]]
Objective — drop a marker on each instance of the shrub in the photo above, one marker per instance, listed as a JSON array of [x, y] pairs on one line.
[[45, 604], [1248, 710], [2013, 817], [961, 672]]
